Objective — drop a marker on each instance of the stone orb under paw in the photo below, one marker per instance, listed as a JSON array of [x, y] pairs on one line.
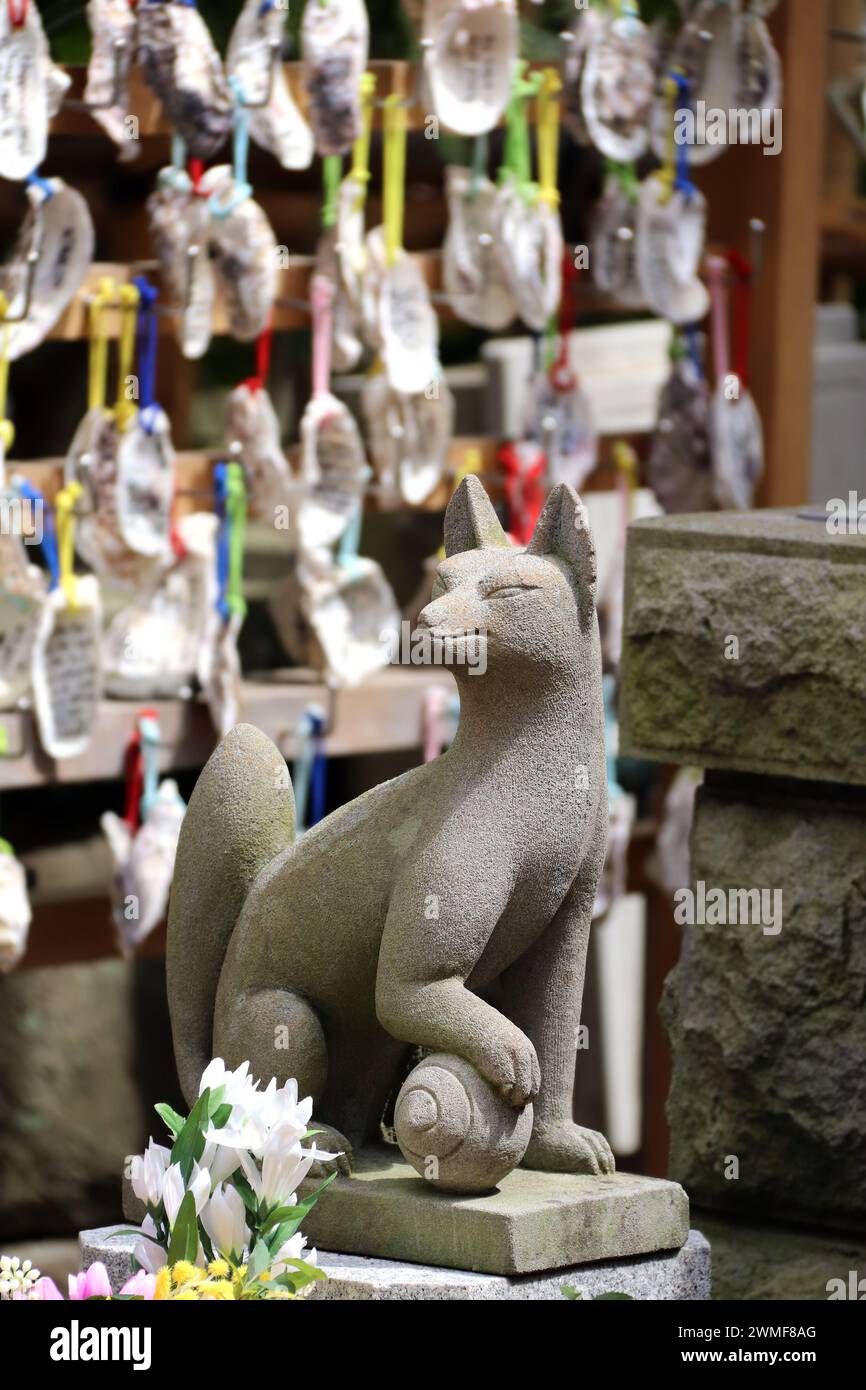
[[454, 1129]]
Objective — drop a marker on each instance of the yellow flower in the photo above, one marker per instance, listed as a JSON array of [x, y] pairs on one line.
[[220, 1288], [163, 1283], [265, 1276], [187, 1295], [218, 1268], [185, 1273], [241, 1272]]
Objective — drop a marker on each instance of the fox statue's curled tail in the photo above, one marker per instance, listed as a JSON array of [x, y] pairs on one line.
[[241, 814]]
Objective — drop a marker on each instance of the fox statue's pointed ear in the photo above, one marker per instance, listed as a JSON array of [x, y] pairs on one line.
[[563, 530], [470, 521]]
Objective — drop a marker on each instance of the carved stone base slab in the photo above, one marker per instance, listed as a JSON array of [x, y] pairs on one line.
[[673, 1274], [532, 1221]]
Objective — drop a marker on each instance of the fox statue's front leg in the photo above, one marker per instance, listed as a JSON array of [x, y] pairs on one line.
[[421, 993], [542, 994]]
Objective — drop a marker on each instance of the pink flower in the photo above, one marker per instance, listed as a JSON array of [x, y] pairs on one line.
[[141, 1285], [43, 1289], [93, 1283]]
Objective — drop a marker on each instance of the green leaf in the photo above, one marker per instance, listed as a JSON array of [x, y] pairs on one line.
[[283, 1213], [606, 1297], [568, 1292], [184, 1232], [259, 1260], [206, 1245], [313, 1198], [300, 1210], [220, 1116], [280, 1234], [189, 1144], [173, 1122], [240, 1181], [216, 1099], [310, 1272]]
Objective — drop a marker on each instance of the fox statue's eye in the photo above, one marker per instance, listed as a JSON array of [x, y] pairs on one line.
[[510, 590]]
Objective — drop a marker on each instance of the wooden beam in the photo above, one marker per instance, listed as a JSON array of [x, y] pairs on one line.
[[382, 714], [785, 191]]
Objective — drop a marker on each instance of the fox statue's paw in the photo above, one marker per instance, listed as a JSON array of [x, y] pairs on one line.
[[568, 1148], [509, 1062], [331, 1141]]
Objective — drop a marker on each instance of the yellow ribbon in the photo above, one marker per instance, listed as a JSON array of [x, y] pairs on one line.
[[7, 429], [393, 192], [360, 171], [667, 174], [470, 463], [125, 408], [97, 365], [547, 135], [64, 516], [626, 463]]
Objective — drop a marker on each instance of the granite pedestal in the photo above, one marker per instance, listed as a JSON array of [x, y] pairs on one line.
[[673, 1274]]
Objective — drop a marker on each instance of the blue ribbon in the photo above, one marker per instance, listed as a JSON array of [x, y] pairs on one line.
[[146, 344], [240, 152], [37, 180], [49, 533], [309, 773], [318, 780], [682, 182], [693, 347], [220, 482]]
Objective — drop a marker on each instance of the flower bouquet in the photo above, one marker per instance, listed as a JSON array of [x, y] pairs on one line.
[[223, 1216]]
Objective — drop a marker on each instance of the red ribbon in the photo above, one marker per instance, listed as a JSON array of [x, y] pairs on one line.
[[524, 488], [174, 535], [133, 771], [264, 343], [195, 169], [742, 272]]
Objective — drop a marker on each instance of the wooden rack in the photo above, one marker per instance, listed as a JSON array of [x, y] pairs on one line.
[[382, 714]]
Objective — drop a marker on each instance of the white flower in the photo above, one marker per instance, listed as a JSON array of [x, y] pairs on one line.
[[16, 1276], [295, 1248], [284, 1166], [244, 1130], [221, 1161], [240, 1089], [175, 1189], [148, 1173], [282, 1108], [148, 1252], [254, 1112], [224, 1219]]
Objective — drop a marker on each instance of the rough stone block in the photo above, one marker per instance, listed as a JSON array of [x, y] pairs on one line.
[[762, 1262], [676, 1274], [788, 697], [85, 1051], [768, 1032]]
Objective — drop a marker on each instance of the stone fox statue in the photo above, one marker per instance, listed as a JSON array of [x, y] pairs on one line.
[[449, 908]]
